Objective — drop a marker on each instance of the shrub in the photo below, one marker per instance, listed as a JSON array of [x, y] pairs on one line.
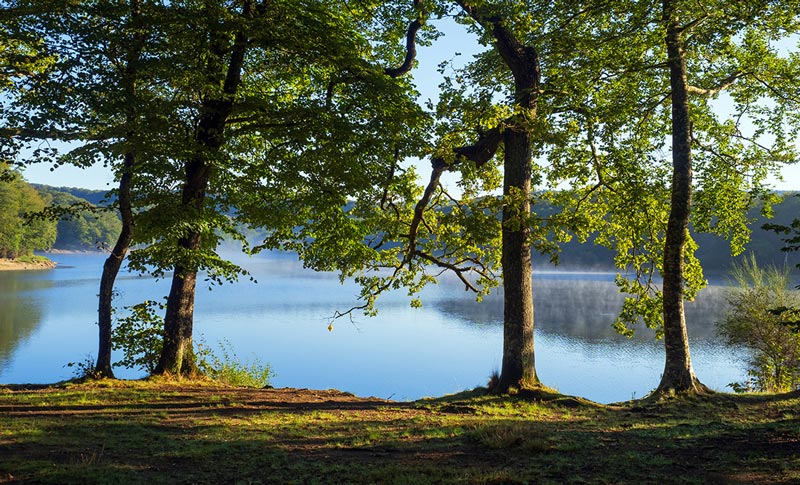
[[83, 370], [751, 322], [140, 336], [228, 369]]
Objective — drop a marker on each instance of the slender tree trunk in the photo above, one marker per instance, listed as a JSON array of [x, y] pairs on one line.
[[114, 261], [111, 269], [678, 374]]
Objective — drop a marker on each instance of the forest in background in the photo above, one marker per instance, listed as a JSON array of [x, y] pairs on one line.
[[87, 230], [85, 227]]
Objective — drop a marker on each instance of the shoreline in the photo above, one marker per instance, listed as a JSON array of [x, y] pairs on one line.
[[14, 265]]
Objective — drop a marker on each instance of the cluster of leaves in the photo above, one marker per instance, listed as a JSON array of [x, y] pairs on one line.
[[140, 336]]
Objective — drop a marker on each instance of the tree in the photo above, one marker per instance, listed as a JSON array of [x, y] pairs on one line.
[[95, 91], [224, 70], [678, 373], [645, 203], [497, 104]]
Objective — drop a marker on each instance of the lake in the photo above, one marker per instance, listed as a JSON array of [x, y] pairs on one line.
[[48, 319]]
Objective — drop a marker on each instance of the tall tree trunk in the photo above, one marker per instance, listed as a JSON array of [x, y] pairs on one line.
[[678, 374], [518, 357], [111, 269], [177, 355], [114, 261], [518, 368]]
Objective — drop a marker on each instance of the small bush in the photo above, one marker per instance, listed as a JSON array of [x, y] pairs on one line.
[[751, 322], [83, 370], [140, 336], [228, 369]]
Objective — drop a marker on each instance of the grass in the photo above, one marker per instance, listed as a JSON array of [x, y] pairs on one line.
[[159, 431], [32, 258]]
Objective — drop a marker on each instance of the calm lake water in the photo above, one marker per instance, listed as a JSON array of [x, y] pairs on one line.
[[452, 343]]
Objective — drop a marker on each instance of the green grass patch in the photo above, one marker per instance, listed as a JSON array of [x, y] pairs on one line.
[[164, 431]]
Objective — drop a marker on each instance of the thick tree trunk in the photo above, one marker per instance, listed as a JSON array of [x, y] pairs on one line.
[[518, 358], [111, 269], [518, 368], [678, 374], [177, 355]]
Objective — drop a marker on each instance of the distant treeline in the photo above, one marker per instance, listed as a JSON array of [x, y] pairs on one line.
[[83, 230], [88, 230], [20, 236], [714, 251], [37, 217]]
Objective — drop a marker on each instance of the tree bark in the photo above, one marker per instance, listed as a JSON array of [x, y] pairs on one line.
[[111, 269], [114, 261], [518, 368], [678, 376], [177, 355]]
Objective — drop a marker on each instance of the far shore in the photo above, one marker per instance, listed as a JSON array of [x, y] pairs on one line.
[[70, 251], [16, 265]]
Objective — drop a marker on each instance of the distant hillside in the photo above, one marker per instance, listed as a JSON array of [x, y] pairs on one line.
[[714, 252], [95, 197], [86, 230]]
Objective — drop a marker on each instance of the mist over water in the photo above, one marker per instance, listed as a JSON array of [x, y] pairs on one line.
[[452, 343]]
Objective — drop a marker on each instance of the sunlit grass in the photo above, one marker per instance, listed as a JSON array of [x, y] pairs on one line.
[[163, 431]]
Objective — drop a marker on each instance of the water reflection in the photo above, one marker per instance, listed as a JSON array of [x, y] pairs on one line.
[[451, 344], [20, 310], [583, 309]]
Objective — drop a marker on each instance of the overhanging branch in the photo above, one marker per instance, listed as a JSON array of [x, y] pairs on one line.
[[411, 43]]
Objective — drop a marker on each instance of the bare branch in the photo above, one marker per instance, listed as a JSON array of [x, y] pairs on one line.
[[411, 43], [722, 86], [459, 271]]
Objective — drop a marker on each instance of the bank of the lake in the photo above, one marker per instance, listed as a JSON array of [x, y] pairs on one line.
[[26, 264], [197, 432]]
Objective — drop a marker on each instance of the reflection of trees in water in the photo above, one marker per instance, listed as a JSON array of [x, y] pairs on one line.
[[581, 309], [19, 315]]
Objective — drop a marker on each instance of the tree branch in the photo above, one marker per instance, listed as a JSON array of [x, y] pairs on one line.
[[449, 266], [48, 134], [411, 43], [722, 86]]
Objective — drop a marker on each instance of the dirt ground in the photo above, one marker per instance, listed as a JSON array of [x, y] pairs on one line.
[[198, 434]]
